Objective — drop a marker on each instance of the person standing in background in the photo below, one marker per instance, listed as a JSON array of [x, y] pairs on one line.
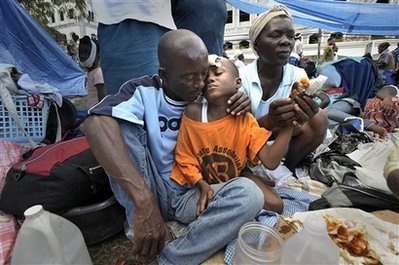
[[239, 60], [296, 54], [89, 59], [298, 47], [129, 32], [329, 50], [72, 46], [205, 18], [386, 60]]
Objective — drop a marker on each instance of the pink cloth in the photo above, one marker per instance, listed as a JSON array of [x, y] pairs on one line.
[[372, 111], [11, 153]]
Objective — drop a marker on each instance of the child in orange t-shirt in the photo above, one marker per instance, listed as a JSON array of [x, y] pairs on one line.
[[214, 147]]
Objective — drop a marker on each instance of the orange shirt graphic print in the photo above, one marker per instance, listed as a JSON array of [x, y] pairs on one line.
[[218, 168]]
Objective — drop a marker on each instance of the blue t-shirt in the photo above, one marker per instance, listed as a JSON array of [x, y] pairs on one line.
[[143, 102]]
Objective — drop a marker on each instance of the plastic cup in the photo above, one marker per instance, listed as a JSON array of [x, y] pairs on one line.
[[258, 244]]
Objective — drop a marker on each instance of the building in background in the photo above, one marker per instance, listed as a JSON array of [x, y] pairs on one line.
[[236, 32], [70, 22], [239, 22]]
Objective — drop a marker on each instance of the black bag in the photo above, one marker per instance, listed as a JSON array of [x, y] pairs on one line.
[[361, 197], [59, 176], [338, 172], [348, 138], [332, 166]]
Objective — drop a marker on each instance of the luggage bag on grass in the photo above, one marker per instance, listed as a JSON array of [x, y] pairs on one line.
[[59, 176]]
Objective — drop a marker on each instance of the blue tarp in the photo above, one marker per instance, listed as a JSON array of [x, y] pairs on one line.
[[342, 16], [25, 44], [357, 77]]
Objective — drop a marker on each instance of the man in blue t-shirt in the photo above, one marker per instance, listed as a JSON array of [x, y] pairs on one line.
[[133, 135]]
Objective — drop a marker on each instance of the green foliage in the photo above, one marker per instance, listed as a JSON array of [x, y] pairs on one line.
[[42, 10]]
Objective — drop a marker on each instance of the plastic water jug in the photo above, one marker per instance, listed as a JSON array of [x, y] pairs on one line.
[[311, 245], [47, 238]]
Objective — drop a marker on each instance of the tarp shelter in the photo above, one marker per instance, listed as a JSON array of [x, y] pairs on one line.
[[25, 44], [342, 16]]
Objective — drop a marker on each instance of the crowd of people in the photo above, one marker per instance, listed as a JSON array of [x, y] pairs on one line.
[[172, 96]]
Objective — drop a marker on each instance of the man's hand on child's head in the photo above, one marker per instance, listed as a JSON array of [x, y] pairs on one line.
[[239, 103]]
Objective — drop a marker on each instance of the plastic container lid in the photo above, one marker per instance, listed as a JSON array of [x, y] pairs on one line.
[[31, 211]]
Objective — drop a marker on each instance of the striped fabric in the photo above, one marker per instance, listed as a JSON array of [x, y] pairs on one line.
[[373, 112]]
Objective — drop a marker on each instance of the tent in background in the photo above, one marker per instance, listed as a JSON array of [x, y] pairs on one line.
[[342, 16], [25, 44]]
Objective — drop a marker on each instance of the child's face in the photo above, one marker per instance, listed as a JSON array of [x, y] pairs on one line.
[[222, 81]]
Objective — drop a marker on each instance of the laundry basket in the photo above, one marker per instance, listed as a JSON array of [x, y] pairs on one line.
[[33, 119]]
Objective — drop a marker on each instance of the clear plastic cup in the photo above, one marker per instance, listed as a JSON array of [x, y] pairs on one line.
[[258, 244]]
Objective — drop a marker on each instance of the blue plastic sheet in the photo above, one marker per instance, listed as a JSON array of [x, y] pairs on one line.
[[342, 16], [25, 44]]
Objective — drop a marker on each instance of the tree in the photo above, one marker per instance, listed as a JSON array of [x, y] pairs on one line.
[[41, 10]]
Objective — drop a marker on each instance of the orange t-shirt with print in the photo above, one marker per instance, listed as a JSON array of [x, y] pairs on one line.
[[216, 151]]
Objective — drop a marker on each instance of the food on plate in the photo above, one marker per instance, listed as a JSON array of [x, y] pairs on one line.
[[352, 241]]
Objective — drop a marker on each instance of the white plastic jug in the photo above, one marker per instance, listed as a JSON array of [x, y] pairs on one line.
[[311, 245], [47, 238]]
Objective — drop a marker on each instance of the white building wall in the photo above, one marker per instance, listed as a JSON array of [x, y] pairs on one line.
[[69, 26]]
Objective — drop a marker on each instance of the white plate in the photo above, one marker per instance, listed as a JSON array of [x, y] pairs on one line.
[[383, 236]]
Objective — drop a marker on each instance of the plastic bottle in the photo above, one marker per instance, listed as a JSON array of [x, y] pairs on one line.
[[311, 245], [47, 238], [258, 244]]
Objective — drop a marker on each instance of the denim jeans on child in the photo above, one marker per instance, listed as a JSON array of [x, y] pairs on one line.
[[235, 203]]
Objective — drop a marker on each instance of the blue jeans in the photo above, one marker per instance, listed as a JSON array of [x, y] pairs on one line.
[[338, 111], [235, 203], [128, 50]]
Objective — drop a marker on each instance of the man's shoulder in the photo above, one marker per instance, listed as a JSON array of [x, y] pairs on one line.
[[145, 83], [140, 90]]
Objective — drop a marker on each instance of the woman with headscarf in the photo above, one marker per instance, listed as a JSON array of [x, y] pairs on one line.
[[268, 81]]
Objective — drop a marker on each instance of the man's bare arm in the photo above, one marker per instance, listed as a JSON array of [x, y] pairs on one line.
[[104, 136]]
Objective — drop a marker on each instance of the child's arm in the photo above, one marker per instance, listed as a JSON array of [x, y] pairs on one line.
[[271, 156], [205, 197], [386, 94]]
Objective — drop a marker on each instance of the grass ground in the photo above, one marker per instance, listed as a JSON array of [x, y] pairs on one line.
[[115, 250]]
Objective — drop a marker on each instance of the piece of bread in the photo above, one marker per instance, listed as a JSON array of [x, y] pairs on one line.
[[299, 86], [309, 87]]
